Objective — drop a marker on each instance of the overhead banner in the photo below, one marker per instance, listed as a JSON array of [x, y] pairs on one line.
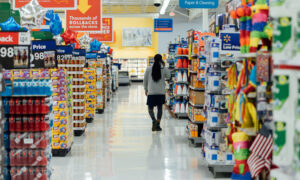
[[87, 17], [163, 25], [51, 4], [107, 33], [207, 4]]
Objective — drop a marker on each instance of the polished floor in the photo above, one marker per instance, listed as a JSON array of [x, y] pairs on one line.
[[119, 145]]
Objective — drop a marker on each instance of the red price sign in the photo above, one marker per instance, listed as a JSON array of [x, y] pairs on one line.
[[107, 33], [87, 17], [51, 4]]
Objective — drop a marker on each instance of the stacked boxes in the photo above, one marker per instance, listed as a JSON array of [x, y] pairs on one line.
[[90, 91], [62, 132]]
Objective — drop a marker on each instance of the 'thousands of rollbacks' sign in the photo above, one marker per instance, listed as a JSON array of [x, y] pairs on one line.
[[230, 42], [208, 4]]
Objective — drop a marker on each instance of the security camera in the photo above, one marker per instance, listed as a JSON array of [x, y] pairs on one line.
[[157, 3]]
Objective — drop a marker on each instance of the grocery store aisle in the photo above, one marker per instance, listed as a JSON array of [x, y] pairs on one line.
[[119, 145]]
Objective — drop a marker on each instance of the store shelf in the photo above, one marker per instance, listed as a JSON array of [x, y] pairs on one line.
[[196, 105], [194, 56], [79, 121], [183, 55], [196, 89], [218, 127], [181, 95], [193, 72], [196, 122], [249, 131], [247, 55], [182, 82], [196, 141], [181, 115], [220, 168], [181, 69]]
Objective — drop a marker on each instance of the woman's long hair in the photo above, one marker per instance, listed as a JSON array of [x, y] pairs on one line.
[[156, 69]]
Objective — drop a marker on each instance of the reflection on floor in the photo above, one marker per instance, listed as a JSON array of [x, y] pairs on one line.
[[119, 145]]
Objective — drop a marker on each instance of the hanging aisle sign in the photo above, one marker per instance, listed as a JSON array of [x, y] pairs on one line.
[[163, 25], [87, 17], [51, 4], [205, 4], [14, 50], [107, 33]]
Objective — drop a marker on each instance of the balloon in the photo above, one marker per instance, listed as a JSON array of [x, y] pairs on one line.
[[85, 41], [32, 14], [58, 40], [10, 25], [49, 16], [56, 25], [95, 45], [111, 51], [69, 37]]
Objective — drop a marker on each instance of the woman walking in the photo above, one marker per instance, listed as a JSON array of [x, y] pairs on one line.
[[154, 84]]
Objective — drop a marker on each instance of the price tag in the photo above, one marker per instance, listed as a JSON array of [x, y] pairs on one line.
[[43, 54], [28, 141], [14, 50], [14, 56], [63, 54]]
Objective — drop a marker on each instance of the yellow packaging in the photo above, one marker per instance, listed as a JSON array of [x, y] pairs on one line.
[[55, 145]]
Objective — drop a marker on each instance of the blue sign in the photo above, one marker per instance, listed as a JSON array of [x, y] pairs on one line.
[[230, 42], [205, 4], [64, 50], [47, 45], [91, 56], [79, 52], [172, 48], [163, 25], [43, 54]]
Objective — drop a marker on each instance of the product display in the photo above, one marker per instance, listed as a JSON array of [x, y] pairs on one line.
[[62, 132], [234, 90], [28, 106]]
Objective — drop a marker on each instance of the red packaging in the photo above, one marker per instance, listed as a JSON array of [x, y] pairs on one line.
[[18, 104], [43, 160], [30, 108], [24, 158], [42, 124], [12, 124], [31, 123], [31, 174], [31, 157], [18, 158], [25, 106], [37, 123], [44, 174], [25, 174], [44, 139], [37, 106], [29, 141], [12, 158], [36, 141], [18, 141], [15, 174], [18, 124], [45, 108], [25, 124], [12, 142], [12, 107]]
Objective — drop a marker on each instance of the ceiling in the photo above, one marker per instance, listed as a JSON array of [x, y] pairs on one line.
[[146, 8], [134, 6]]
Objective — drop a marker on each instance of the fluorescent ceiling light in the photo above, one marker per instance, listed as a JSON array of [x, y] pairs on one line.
[[164, 7]]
